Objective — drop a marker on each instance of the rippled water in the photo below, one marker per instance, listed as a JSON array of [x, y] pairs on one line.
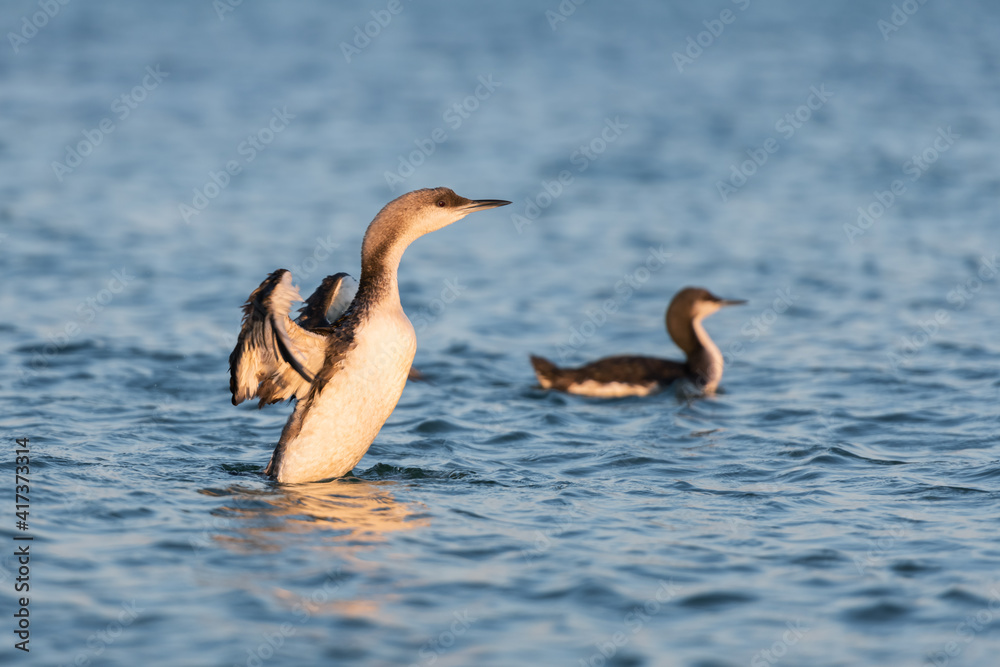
[[836, 505]]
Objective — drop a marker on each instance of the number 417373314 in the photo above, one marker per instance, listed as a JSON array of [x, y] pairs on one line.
[[21, 489]]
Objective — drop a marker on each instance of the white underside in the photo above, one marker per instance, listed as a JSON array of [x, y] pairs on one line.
[[343, 420], [610, 389]]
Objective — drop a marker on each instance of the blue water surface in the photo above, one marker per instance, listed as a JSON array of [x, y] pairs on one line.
[[837, 164]]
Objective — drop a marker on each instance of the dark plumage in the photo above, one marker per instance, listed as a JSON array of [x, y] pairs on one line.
[[266, 360], [630, 370], [316, 313], [637, 376]]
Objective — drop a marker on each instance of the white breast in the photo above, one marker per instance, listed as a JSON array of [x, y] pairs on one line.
[[341, 422], [612, 389]]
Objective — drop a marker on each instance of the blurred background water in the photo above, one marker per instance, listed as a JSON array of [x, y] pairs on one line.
[[837, 505]]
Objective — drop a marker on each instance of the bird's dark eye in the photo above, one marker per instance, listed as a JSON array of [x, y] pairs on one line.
[[440, 203]]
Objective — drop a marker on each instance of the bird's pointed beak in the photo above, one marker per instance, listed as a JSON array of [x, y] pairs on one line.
[[732, 302], [483, 204]]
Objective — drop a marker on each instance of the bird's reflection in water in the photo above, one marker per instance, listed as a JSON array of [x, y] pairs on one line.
[[327, 525], [352, 513]]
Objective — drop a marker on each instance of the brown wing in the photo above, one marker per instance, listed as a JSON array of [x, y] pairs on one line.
[[330, 300], [274, 358], [633, 370], [624, 369]]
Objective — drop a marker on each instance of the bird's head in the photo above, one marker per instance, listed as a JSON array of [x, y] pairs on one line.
[[692, 304], [425, 211]]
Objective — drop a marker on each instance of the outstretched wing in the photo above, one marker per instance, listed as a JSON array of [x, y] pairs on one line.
[[330, 300], [274, 358]]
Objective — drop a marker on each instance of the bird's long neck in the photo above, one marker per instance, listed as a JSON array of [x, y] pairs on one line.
[[704, 359], [381, 252]]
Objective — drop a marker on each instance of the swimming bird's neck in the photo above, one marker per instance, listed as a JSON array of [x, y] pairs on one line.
[[704, 359]]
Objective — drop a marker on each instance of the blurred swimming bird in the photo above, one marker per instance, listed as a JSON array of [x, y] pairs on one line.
[[639, 376], [346, 374]]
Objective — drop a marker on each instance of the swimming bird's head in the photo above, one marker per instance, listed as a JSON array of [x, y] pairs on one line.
[[690, 305]]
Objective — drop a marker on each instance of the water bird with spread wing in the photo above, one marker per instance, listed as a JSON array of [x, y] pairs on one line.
[[346, 365]]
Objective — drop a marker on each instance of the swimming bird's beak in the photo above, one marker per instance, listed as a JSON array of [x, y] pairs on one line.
[[483, 204], [731, 302]]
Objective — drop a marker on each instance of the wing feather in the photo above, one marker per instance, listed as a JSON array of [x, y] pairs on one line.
[[275, 359], [329, 302]]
